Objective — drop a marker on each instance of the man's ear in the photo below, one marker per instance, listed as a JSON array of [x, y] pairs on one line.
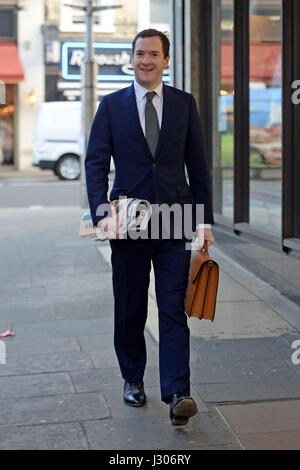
[[167, 59]]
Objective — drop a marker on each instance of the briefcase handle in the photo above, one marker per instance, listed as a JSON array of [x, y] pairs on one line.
[[204, 248]]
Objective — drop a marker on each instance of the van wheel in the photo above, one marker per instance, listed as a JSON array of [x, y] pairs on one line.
[[68, 168]]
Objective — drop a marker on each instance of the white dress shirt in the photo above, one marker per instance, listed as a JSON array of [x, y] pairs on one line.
[[140, 95]]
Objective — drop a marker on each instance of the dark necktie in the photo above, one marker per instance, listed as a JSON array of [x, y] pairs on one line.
[[151, 123]]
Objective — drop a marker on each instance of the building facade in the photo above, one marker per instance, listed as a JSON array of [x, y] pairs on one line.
[[41, 51], [113, 33], [22, 71]]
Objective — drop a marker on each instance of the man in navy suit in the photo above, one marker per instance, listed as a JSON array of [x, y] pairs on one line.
[[153, 132]]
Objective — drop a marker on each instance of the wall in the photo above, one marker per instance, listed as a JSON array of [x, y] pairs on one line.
[[30, 47]]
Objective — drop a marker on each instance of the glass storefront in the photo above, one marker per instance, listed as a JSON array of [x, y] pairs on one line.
[[240, 59], [265, 126], [265, 79]]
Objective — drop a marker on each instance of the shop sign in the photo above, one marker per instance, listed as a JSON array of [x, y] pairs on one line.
[[113, 59]]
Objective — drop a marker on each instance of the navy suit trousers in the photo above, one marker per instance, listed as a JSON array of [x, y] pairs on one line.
[[131, 263]]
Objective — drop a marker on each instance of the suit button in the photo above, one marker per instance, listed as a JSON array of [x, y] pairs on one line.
[[154, 165]]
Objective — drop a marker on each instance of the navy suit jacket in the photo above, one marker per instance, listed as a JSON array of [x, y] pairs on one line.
[[117, 132]]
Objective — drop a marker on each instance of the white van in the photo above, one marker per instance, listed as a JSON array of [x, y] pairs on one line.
[[56, 142], [56, 138]]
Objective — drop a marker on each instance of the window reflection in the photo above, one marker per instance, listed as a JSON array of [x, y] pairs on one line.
[[224, 136], [265, 113]]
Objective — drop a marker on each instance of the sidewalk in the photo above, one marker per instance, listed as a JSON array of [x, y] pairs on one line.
[[61, 387], [9, 171]]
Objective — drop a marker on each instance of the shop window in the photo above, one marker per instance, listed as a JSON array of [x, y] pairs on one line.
[[7, 24]]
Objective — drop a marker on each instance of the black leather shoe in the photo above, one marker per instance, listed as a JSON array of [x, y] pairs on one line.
[[134, 394], [182, 407]]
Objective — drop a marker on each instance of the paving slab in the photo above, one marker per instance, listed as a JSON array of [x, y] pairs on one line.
[[45, 437], [259, 252], [12, 283], [263, 417], [25, 296], [155, 432], [285, 267], [288, 440], [44, 363], [63, 271], [227, 350], [248, 392], [241, 320], [33, 259], [243, 371], [230, 291], [97, 343], [109, 378], [35, 385], [55, 309], [91, 281], [64, 328], [95, 380], [5, 325], [53, 409], [295, 281], [40, 346], [107, 357]]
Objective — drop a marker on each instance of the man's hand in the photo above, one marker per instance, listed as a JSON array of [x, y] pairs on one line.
[[103, 224], [109, 227], [204, 234]]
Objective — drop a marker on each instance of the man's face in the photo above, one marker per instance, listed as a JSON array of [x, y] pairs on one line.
[[148, 62]]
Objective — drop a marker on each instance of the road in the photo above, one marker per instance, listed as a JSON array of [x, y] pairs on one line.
[[38, 190]]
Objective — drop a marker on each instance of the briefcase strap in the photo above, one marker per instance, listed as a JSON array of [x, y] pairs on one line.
[[204, 248]]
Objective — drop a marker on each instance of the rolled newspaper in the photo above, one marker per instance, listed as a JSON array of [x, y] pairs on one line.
[[127, 215]]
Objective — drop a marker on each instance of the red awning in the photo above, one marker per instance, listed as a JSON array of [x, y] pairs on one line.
[[11, 70]]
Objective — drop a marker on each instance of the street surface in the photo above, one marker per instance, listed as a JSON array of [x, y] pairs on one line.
[[61, 386]]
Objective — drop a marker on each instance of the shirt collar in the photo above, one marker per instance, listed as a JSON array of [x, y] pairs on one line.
[[140, 91]]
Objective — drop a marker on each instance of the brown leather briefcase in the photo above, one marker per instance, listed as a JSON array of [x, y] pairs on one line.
[[201, 293]]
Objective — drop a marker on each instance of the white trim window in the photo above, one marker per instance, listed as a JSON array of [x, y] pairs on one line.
[[154, 14], [72, 20]]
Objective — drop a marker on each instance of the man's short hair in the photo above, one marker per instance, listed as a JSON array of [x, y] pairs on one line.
[[148, 33]]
